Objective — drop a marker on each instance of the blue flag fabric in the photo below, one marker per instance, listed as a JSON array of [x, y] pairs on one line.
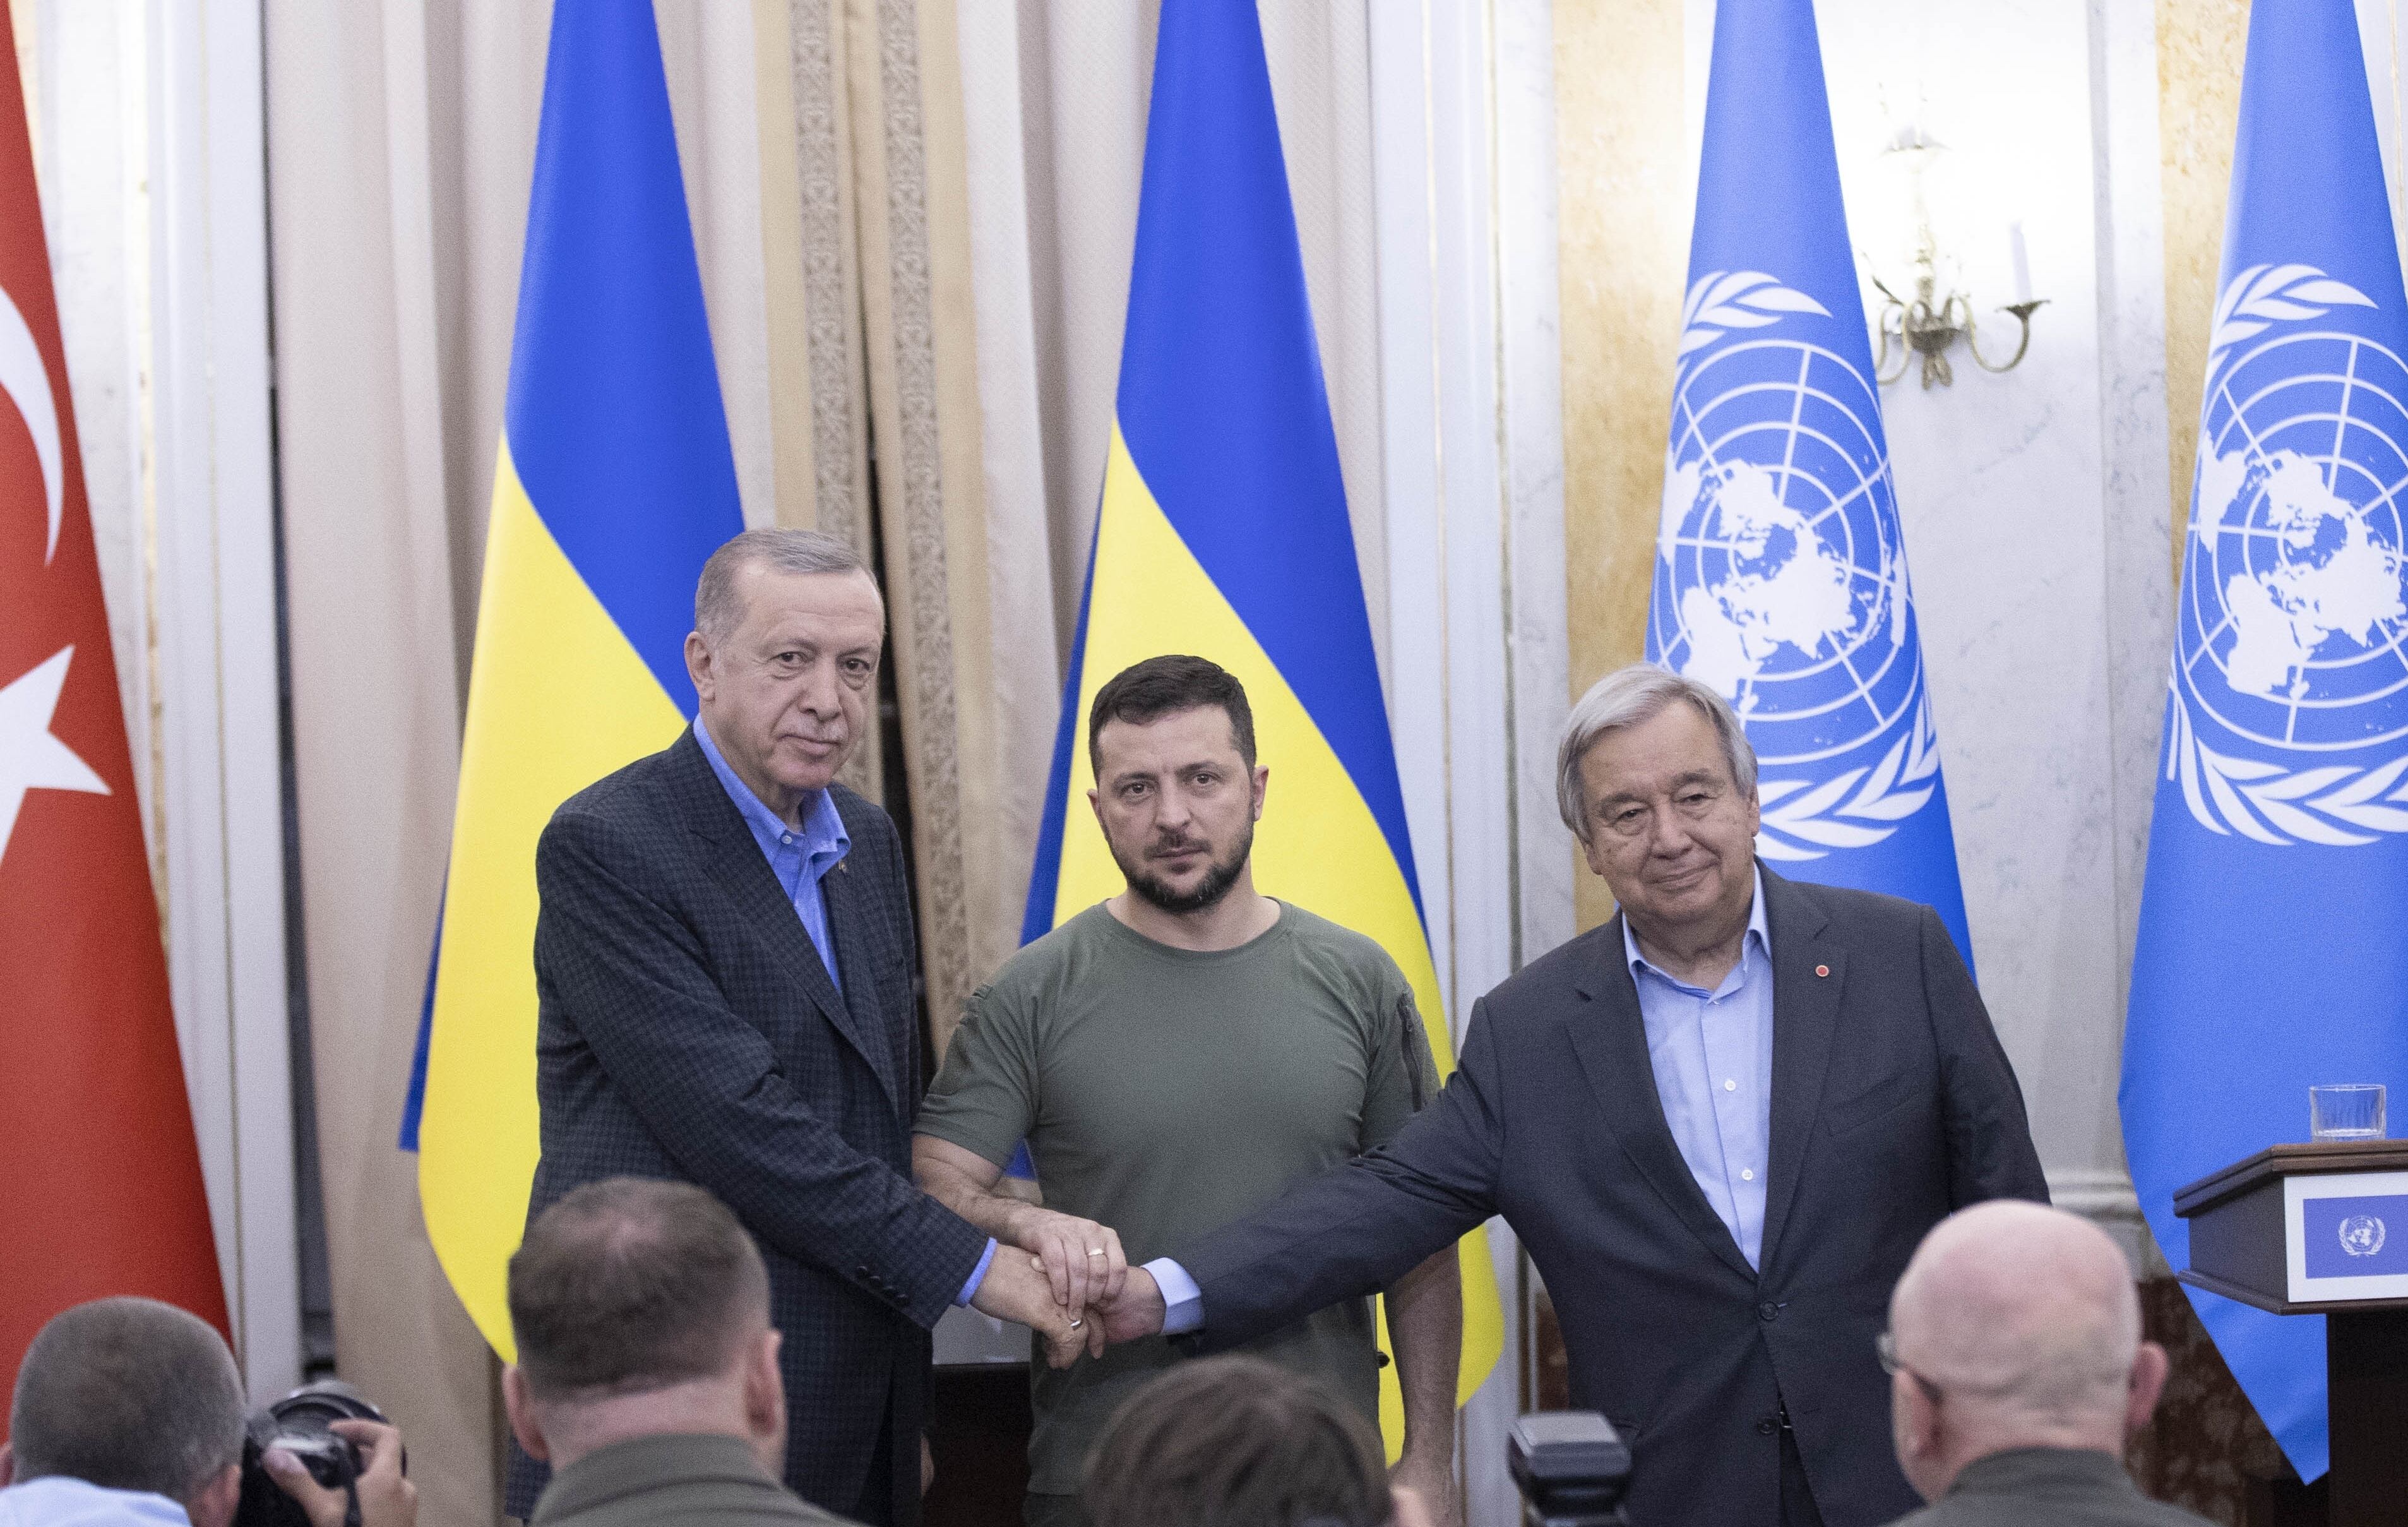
[[2272, 954], [1780, 575]]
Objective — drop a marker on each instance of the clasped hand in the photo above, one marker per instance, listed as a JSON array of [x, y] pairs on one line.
[[1067, 1279]]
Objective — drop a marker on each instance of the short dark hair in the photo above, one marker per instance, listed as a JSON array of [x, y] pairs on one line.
[[1235, 1442], [127, 1394], [1161, 686], [628, 1285]]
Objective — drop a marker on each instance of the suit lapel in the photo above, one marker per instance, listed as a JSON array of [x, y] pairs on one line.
[[851, 930], [1809, 973], [735, 861], [1610, 1040]]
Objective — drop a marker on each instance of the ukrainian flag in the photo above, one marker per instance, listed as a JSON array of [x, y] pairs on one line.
[[615, 482], [1223, 534]]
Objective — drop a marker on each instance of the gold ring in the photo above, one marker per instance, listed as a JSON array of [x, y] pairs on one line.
[[1095, 1251]]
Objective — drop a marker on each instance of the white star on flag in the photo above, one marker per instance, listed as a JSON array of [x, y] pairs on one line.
[[30, 757]]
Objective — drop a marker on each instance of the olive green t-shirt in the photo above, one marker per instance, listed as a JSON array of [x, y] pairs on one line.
[[1166, 1092]]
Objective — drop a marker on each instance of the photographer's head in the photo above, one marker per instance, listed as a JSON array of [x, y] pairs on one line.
[[2015, 1325], [640, 1308], [131, 1394], [1239, 1442]]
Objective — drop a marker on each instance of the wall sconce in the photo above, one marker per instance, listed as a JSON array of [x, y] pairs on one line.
[[1929, 323]]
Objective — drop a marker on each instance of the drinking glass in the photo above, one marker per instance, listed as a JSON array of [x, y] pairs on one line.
[[2345, 1113]]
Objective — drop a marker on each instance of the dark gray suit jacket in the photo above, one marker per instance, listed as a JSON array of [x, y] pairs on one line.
[[2048, 1487], [1892, 1106], [689, 1030]]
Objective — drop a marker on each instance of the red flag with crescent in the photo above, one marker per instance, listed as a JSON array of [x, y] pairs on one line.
[[100, 1174]]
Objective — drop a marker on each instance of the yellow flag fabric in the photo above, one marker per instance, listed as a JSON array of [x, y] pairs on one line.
[[615, 483], [1223, 533]]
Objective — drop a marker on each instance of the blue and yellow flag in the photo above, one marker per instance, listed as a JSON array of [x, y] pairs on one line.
[[615, 483], [1223, 534], [2270, 955]]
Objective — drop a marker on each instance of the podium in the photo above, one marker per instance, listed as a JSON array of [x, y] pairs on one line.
[[2306, 1229]]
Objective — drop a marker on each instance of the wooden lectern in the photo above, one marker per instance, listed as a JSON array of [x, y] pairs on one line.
[[2323, 1230]]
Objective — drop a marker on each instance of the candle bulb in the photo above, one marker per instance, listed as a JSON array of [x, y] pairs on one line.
[[2021, 261]]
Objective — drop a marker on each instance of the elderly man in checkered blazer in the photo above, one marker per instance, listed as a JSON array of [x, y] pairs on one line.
[[724, 958]]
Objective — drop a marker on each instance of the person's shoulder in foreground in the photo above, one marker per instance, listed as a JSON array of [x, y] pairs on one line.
[[672, 1478], [61, 1501], [2018, 1373], [646, 1371], [2047, 1487]]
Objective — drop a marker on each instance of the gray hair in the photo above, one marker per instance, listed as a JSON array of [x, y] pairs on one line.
[[128, 1394], [1626, 697], [719, 608]]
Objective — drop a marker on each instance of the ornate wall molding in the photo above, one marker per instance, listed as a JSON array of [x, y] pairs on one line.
[[835, 445], [897, 287]]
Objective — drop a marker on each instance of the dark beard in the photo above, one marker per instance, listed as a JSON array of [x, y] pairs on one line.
[[1208, 892]]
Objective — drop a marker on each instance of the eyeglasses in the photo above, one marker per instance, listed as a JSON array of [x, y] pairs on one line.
[[1885, 1348]]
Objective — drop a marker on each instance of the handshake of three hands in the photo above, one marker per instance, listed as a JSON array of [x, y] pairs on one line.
[[1067, 1279]]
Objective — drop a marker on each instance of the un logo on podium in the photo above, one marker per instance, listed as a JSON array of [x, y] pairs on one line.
[[2291, 676], [1779, 577]]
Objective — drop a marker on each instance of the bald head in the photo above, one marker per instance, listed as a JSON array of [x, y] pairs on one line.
[[2025, 1322]]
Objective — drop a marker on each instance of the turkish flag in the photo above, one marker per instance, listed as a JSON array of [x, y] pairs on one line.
[[100, 1176]]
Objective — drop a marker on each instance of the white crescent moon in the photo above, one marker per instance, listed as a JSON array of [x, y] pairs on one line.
[[27, 383]]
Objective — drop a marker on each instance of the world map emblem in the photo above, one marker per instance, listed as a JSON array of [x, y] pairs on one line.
[[2289, 722], [2361, 1235], [1778, 579]]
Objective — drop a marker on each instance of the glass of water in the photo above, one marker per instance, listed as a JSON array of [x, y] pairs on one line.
[[2345, 1113]]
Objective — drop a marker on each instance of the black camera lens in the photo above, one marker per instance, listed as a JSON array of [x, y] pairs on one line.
[[302, 1424]]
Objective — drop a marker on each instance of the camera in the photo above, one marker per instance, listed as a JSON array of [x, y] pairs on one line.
[[302, 1424], [1571, 1469]]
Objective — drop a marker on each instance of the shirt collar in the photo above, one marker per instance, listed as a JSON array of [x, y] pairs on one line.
[[1760, 933], [823, 835]]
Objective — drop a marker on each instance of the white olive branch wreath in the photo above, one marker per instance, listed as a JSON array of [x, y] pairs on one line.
[[2336, 805]]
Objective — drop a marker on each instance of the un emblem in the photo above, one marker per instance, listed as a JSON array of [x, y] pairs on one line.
[[2289, 634], [2361, 1235], [1778, 579]]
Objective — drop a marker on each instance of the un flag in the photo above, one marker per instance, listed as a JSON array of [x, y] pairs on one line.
[[2270, 953], [1780, 578]]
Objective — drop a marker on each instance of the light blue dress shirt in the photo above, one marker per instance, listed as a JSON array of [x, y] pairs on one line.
[[57, 1500], [1711, 1052], [801, 857]]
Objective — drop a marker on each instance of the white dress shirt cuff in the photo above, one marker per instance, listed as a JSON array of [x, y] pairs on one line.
[[1183, 1303]]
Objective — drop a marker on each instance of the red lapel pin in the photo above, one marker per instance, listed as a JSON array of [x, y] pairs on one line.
[[1822, 970]]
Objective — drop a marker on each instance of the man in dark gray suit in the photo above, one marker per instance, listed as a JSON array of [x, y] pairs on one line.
[[2018, 1373], [725, 961], [1719, 1124]]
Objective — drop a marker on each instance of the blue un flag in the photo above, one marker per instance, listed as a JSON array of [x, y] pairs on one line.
[[2272, 951], [1780, 577]]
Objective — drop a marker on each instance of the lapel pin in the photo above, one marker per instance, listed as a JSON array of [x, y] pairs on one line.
[[1822, 970]]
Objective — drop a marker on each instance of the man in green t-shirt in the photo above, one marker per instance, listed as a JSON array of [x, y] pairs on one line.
[[1175, 1058]]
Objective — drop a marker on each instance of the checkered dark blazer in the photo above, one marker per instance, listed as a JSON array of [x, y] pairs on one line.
[[689, 1030]]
